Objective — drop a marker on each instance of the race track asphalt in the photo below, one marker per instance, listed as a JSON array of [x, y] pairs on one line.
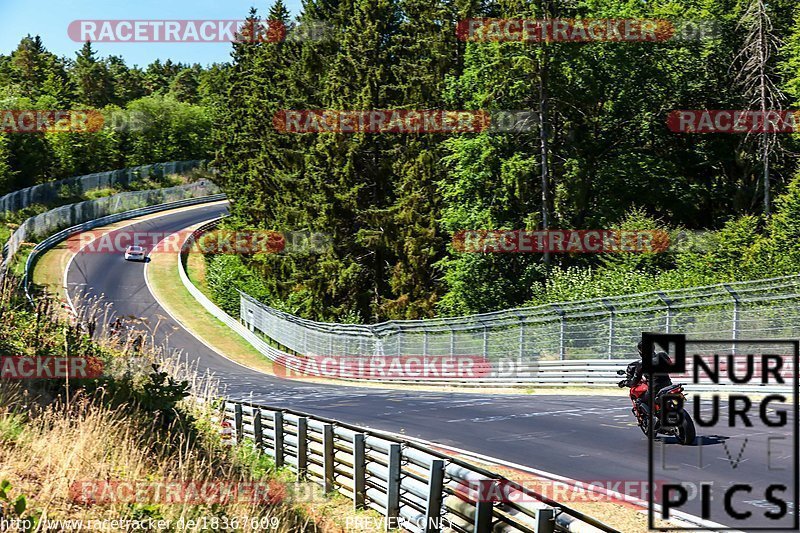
[[587, 437]]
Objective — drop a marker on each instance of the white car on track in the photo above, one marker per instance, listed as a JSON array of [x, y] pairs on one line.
[[135, 253]]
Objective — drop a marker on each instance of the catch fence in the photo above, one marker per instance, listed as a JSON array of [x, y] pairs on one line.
[[52, 191], [606, 328]]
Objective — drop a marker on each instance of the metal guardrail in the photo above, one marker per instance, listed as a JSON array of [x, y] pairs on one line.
[[49, 191], [409, 484]]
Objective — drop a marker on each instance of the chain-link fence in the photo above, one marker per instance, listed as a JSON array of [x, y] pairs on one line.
[[605, 328], [52, 221], [50, 192]]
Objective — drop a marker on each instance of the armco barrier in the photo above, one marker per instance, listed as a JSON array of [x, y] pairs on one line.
[[511, 373], [409, 484]]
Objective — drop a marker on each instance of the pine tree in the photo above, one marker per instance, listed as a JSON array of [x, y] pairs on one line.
[[91, 78]]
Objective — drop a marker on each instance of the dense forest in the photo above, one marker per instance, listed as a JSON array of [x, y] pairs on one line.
[[391, 202], [160, 113], [600, 156]]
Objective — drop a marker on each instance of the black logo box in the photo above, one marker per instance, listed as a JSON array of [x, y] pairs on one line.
[[678, 355]]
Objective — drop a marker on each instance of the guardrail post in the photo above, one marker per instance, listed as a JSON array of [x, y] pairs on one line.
[[735, 324], [327, 458], [393, 487], [302, 448], [258, 432], [433, 509], [545, 520], [237, 422], [611, 312], [359, 472], [277, 420], [484, 507]]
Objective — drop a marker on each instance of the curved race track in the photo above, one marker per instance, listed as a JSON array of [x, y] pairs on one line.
[[582, 437]]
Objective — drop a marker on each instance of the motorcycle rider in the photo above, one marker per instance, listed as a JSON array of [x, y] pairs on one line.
[[636, 373]]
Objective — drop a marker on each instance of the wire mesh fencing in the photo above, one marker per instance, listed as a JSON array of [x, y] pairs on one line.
[[46, 193], [49, 222], [606, 328]]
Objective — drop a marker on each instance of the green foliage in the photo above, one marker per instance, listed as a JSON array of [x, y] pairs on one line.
[[391, 202], [172, 123], [173, 131], [11, 507], [225, 275], [11, 426]]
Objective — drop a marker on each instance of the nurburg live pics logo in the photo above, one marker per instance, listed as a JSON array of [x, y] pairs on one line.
[[758, 499]]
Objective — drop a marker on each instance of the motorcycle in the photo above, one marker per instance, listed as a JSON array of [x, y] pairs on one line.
[[678, 423]]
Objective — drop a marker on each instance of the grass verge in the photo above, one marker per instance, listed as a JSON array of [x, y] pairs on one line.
[[162, 277]]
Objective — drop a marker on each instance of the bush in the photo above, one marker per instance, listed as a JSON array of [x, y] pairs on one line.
[[225, 275]]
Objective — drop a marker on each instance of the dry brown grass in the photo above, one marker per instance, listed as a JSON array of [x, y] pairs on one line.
[[86, 441], [52, 436]]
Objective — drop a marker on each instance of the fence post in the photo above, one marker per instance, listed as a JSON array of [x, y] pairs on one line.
[[393, 487], [735, 324], [452, 341], [237, 422], [359, 472], [399, 341], [327, 457], [425, 342], [277, 420], [302, 448], [485, 342], [484, 508], [258, 432], [562, 350], [668, 303], [611, 313], [521, 338], [433, 509]]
